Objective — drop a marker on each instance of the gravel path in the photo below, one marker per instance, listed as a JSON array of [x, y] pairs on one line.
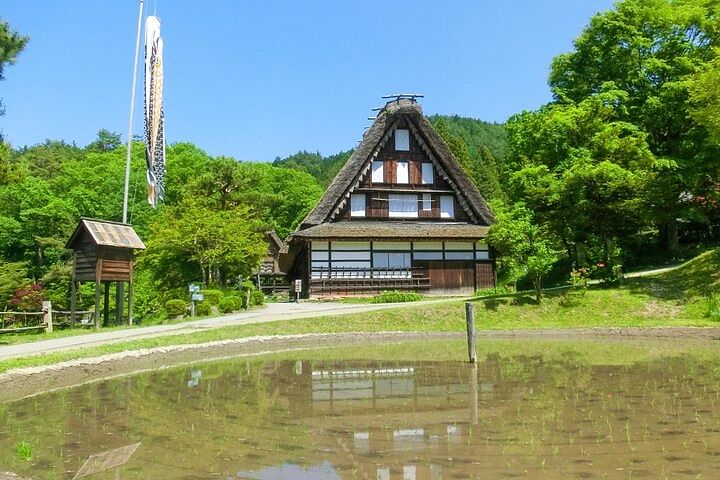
[[272, 312]]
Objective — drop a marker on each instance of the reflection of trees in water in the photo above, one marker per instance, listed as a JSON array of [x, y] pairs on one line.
[[523, 412]]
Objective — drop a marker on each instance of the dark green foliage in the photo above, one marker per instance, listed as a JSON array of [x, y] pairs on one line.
[[396, 297], [203, 309], [257, 298], [11, 44], [105, 142], [176, 307], [229, 304], [213, 297], [476, 134], [480, 164], [322, 168]]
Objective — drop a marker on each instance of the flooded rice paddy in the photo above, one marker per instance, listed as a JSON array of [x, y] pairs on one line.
[[411, 411]]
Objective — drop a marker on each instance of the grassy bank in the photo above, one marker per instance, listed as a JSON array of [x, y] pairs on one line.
[[676, 298]]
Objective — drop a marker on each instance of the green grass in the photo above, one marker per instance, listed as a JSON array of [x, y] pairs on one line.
[[675, 298]]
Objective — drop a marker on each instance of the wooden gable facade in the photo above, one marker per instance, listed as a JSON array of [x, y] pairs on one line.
[[401, 214]]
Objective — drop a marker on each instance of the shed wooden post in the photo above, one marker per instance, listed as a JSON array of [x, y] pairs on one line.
[[119, 302], [97, 303], [73, 302], [106, 305], [130, 305]]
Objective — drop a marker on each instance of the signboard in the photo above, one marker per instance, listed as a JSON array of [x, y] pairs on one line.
[[298, 286], [194, 288], [197, 297]]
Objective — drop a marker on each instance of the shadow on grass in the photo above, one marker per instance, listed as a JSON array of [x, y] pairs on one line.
[[697, 278]]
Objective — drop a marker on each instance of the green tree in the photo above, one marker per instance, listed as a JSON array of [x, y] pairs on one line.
[[105, 141], [705, 96], [650, 50], [525, 250], [11, 44], [190, 241]]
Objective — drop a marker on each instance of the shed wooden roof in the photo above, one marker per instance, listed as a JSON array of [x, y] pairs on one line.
[[394, 230], [108, 234], [359, 163]]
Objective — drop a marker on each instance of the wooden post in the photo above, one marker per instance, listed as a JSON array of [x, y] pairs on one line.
[[470, 319], [97, 303], [119, 302], [47, 310], [73, 302], [247, 299], [130, 292], [106, 305]]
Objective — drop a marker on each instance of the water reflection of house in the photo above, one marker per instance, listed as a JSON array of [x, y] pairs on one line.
[[415, 410]]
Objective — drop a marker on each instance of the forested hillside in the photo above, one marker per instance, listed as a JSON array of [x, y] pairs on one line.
[[209, 228]]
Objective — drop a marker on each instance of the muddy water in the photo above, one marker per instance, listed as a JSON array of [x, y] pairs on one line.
[[410, 412]]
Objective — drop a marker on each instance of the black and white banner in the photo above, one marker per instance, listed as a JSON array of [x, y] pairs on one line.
[[154, 116]]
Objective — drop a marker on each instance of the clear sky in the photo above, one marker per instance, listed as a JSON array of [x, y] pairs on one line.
[[256, 80]]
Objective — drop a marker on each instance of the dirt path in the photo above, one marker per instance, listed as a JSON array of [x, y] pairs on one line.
[[272, 312]]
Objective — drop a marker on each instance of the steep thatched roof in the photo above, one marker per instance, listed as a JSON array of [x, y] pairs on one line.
[[394, 230], [360, 162]]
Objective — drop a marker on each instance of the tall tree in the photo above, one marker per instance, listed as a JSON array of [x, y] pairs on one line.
[[650, 49], [11, 44]]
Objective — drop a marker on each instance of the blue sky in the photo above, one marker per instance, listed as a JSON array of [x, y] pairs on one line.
[[256, 80]]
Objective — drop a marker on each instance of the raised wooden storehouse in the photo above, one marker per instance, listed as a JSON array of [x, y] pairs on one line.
[[103, 253], [270, 276], [400, 215]]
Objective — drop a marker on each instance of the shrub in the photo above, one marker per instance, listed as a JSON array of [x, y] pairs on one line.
[[229, 304], [257, 298], [28, 299], [212, 296], [487, 292], [203, 308], [396, 297], [175, 307], [713, 306]]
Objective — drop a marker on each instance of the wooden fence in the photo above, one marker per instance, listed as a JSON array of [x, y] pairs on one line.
[[44, 321]]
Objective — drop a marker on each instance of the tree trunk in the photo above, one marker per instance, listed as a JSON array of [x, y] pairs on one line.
[[537, 283], [202, 272], [669, 237]]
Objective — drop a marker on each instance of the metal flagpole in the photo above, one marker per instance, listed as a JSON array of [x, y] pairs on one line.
[[132, 113], [120, 286]]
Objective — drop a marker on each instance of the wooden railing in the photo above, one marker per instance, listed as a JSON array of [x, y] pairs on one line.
[[353, 280], [12, 322], [83, 318]]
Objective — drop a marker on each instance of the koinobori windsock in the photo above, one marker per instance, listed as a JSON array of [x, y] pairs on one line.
[[154, 115]]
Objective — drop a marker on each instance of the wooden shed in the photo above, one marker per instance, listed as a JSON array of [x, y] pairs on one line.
[[270, 277], [103, 253]]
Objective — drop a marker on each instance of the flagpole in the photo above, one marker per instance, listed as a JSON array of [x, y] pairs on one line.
[[132, 113]]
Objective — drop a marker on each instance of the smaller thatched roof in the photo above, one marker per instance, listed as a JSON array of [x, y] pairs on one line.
[[394, 230], [107, 234]]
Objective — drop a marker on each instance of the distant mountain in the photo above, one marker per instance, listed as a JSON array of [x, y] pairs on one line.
[[475, 133], [322, 168]]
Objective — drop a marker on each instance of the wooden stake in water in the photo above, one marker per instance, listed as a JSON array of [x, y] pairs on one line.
[[470, 319]]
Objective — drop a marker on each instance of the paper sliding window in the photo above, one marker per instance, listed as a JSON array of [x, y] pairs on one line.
[[378, 174], [402, 206], [402, 140], [402, 173], [447, 206], [426, 202], [357, 205], [428, 177]]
